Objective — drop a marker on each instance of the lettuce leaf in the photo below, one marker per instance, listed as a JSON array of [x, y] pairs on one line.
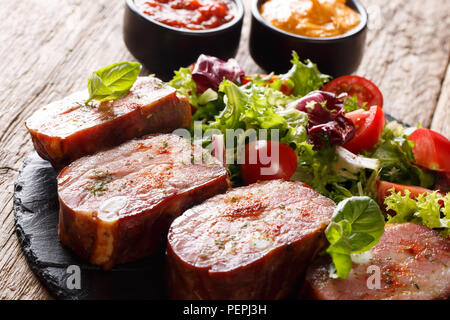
[[396, 157], [185, 85], [431, 210], [323, 170], [207, 104], [351, 104], [304, 77], [327, 121]]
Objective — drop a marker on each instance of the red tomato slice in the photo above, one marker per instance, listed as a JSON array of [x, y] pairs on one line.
[[365, 90], [369, 127], [384, 190], [431, 149], [285, 87], [268, 160], [246, 80]]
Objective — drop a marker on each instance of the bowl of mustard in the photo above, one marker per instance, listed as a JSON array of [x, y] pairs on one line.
[[331, 33]]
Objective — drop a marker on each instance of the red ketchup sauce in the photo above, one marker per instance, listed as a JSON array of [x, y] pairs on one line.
[[189, 14]]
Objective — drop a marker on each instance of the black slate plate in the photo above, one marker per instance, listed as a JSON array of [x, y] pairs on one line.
[[36, 214]]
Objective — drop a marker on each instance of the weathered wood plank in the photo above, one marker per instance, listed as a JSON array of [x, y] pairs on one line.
[[50, 47], [407, 54], [441, 119]]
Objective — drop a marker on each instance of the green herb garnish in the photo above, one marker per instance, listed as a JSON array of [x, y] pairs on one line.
[[112, 82], [356, 226], [304, 77], [220, 244], [99, 187]]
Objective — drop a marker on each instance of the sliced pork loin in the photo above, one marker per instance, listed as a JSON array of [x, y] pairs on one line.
[[117, 205], [413, 263], [69, 129], [253, 242]]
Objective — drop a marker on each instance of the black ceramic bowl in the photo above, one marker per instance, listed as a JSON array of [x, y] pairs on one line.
[[163, 49], [271, 48]]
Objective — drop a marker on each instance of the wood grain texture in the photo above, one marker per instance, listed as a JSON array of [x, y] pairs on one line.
[[407, 56], [441, 119], [48, 49]]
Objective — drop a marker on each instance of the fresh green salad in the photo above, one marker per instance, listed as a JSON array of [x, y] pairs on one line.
[[331, 135]]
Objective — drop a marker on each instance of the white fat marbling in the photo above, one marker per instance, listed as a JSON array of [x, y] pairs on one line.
[[361, 258], [109, 210]]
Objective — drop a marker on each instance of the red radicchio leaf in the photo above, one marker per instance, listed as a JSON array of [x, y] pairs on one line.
[[209, 72], [326, 117]]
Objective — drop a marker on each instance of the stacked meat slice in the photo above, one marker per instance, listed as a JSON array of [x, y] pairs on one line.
[[253, 242], [68, 129], [411, 262], [117, 205]]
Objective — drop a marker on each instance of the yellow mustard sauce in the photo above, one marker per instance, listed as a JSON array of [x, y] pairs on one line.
[[311, 18]]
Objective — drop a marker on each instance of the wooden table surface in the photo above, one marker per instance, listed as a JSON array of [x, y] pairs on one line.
[[49, 48]]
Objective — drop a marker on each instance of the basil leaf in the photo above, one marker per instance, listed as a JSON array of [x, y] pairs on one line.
[[113, 82], [356, 226], [344, 262]]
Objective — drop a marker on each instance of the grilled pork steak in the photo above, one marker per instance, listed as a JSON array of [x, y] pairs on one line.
[[69, 129], [253, 242], [414, 263], [117, 205]]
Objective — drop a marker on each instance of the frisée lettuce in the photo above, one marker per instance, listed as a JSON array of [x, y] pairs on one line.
[[206, 104], [304, 77], [431, 210]]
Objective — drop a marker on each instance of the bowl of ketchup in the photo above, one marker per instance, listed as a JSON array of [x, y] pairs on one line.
[[167, 34]]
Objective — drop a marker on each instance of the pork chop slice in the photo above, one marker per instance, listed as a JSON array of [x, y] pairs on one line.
[[116, 206], [253, 242], [412, 260], [68, 129]]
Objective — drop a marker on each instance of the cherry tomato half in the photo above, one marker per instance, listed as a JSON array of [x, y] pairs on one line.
[[268, 160], [286, 88], [369, 127], [431, 149], [384, 190], [365, 90]]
